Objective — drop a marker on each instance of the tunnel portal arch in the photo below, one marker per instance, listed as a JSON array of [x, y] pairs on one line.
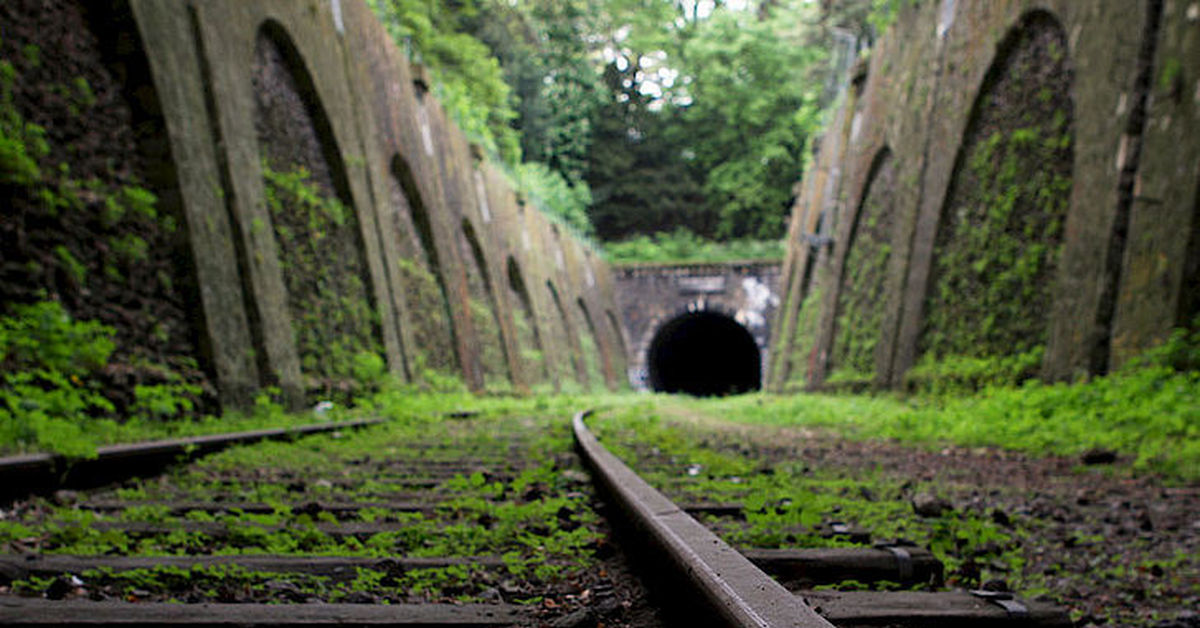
[[704, 353]]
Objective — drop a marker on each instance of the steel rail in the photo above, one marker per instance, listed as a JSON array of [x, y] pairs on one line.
[[742, 594], [30, 473]]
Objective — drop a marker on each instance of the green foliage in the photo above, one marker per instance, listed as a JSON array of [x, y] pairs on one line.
[[753, 107], [22, 143], [555, 196], [682, 245], [332, 316], [1148, 411], [469, 82], [1002, 226], [47, 394], [966, 374]]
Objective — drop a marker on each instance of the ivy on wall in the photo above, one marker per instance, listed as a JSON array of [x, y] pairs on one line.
[[999, 242]]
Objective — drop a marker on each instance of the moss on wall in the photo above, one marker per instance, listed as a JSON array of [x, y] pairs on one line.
[[808, 317], [321, 254], [591, 359], [861, 306], [82, 177], [998, 244], [430, 321], [332, 318]]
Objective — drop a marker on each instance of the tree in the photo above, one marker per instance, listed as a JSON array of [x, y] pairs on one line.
[[755, 79]]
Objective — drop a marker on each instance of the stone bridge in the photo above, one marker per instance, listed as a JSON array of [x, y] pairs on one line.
[[697, 328]]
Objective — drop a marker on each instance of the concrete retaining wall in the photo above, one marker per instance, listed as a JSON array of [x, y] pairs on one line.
[[1127, 263], [380, 113]]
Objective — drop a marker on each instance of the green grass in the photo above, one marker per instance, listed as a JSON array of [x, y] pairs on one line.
[[683, 246], [1147, 414], [786, 503]]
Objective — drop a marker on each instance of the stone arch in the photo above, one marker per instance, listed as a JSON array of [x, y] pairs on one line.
[[592, 353], [420, 274], [803, 348], [619, 334], [996, 250], [529, 338], [860, 308], [485, 307], [703, 352], [561, 324], [81, 72], [1188, 310], [322, 255]]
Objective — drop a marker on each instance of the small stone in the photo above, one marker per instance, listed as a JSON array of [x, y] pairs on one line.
[[927, 505], [575, 477], [582, 618]]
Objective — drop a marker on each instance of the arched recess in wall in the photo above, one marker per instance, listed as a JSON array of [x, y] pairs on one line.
[[589, 346], [1189, 297], [801, 359], [570, 367], [998, 241], [420, 274], [334, 319], [858, 319], [529, 339], [485, 310], [615, 327], [111, 245]]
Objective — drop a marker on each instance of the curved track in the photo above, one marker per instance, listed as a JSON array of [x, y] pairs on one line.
[[406, 487]]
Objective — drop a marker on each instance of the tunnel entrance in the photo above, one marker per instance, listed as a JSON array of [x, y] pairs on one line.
[[704, 354]]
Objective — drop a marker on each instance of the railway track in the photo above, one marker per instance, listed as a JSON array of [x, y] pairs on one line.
[[467, 522]]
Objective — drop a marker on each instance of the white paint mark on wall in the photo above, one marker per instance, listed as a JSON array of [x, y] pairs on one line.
[[485, 209], [945, 18], [758, 298], [336, 7], [423, 121]]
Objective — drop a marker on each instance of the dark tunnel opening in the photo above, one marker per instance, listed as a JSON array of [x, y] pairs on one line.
[[706, 355]]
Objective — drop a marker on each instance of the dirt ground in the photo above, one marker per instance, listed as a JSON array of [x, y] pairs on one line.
[[1115, 547]]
